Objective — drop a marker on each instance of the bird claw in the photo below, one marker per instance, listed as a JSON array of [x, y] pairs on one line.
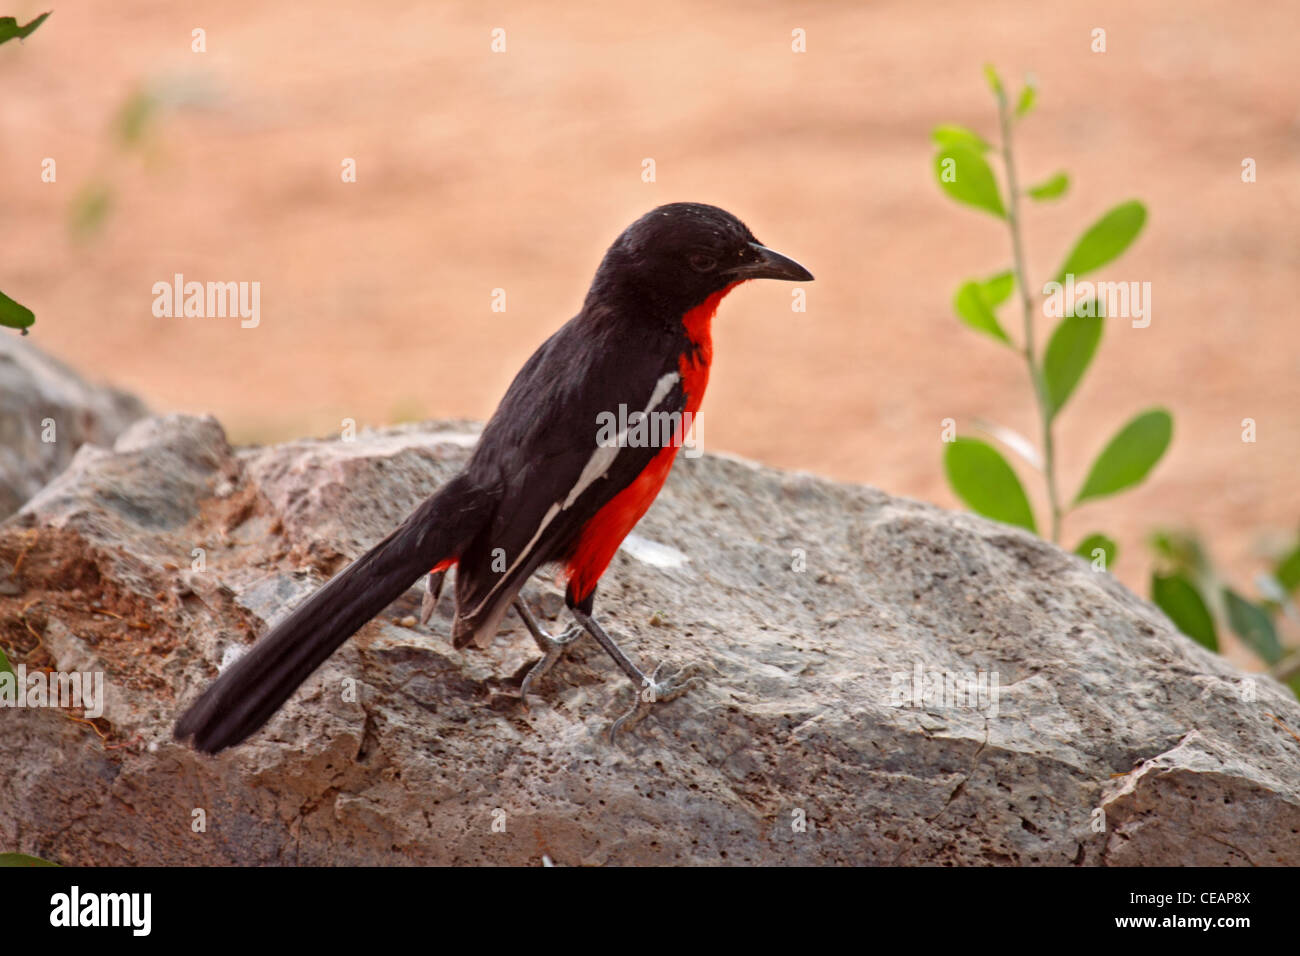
[[658, 689], [552, 650]]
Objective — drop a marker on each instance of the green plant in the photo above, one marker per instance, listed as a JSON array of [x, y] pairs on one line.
[[10, 30], [13, 315], [130, 129], [978, 473], [1186, 586]]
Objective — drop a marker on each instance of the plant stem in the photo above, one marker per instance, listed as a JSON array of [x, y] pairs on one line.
[[1035, 373]]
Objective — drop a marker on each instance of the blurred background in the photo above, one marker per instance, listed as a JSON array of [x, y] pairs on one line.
[[478, 170]]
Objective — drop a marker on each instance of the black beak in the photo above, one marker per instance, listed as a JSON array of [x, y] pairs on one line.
[[769, 264]]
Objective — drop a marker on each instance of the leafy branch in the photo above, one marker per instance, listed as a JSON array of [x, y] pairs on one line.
[[13, 315], [978, 473], [1188, 588]]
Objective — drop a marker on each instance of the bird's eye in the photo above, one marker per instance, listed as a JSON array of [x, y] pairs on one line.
[[703, 262]]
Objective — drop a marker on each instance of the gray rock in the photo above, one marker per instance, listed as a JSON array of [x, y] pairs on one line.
[[808, 605], [39, 398]]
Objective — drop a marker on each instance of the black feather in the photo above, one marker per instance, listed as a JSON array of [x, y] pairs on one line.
[[244, 697]]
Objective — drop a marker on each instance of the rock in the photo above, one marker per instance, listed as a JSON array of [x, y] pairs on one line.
[[39, 397], [1103, 737]]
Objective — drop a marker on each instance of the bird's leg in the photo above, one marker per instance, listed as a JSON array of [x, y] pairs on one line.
[[432, 588], [552, 647], [658, 687]]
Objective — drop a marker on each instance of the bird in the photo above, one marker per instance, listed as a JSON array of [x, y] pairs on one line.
[[550, 481]]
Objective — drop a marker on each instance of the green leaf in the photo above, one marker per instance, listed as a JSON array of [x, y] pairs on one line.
[[1177, 596], [13, 315], [22, 859], [1130, 456], [994, 81], [973, 309], [1051, 188], [998, 288], [1027, 97], [969, 178], [1069, 352], [1250, 623], [5, 666], [1287, 571], [981, 478], [1098, 542], [9, 28], [1105, 239], [950, 134], [135, 117]]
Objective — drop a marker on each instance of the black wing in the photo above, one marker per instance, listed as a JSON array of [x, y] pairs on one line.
[[538, 449]]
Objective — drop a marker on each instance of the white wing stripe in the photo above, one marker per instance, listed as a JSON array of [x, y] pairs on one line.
[[598, 465]]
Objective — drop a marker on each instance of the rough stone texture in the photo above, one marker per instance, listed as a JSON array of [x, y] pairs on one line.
[[1105, 713], [35, 388]]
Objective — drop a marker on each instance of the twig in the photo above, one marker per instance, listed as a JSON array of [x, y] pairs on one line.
[[1035, 373], [22, 616], [31, 536], [1286, 728]]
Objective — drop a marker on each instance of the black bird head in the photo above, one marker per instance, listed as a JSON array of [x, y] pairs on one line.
[[676, 256]]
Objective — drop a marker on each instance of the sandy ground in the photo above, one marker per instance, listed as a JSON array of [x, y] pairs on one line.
[[514, 170]]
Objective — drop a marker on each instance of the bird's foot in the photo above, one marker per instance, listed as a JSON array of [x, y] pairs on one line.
[[658, 688], [552, 650]]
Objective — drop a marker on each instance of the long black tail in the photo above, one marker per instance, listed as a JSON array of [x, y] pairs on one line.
[[242, 699]]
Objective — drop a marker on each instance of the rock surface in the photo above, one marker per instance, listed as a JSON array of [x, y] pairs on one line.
[[809, 606], [42, 399]]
